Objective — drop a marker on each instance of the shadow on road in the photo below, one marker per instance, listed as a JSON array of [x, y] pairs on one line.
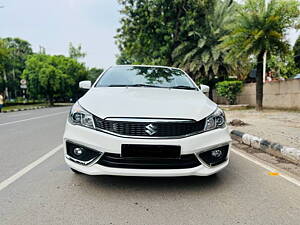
[[153, 184]]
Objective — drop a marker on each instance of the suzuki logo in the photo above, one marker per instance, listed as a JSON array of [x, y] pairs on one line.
[[151, 129]]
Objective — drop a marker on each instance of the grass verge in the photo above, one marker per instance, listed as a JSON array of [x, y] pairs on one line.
[[6, 108]]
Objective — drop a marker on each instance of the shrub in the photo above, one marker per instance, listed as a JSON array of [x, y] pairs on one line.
[[229, 90]]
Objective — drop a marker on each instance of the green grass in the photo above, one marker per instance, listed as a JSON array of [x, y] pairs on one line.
[[5, 108], [21, 106]]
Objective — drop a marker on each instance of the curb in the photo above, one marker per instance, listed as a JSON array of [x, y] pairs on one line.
[[273, 148], [32, 108], [240, 106]]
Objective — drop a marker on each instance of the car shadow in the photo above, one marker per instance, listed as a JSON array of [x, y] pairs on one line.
[[154, 184]]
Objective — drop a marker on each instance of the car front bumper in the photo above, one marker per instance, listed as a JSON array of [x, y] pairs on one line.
[[108, 143]]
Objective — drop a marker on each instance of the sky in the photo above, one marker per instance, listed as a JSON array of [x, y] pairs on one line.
[[54, 23]]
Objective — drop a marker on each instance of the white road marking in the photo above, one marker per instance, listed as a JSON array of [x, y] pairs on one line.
[[33, 118], [26, 169], [269, 168]]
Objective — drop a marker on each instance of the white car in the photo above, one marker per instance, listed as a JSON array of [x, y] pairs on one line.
[[146, 121]]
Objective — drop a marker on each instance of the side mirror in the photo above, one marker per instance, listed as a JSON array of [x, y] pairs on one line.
[[204, 88], [86, 84]]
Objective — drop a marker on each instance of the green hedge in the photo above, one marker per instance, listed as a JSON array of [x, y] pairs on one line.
[[229, 90], [20, 101]]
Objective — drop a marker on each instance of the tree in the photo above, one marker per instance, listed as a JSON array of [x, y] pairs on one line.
[[258, 30], [284, 66], [18, 52], [151, 30], [94, 73], [53, 77], [4, 57], [296, 50], [200, 55], [123, 59], [76, 52]]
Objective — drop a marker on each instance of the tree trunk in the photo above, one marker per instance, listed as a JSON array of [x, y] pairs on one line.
[[5, 80], [212, 85], [50, 99], [14, 78], [210, 93], [259, 82]]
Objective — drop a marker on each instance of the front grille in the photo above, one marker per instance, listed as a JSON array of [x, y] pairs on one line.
[[162, 129], [115, 160]]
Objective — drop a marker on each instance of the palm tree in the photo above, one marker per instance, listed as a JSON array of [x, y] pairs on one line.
[[200, 55], [258, 30]]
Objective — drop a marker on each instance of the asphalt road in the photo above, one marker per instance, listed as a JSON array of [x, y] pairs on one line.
[[49, 193]]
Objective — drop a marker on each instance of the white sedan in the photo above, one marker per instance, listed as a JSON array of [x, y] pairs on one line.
[[146, 121]]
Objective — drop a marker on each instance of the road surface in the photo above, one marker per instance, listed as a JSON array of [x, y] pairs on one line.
[[36, 187]]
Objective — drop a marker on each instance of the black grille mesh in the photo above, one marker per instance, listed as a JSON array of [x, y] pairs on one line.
[[164, 129], [115, 160]]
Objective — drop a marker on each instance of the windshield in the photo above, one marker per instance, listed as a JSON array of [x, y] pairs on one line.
[[142, 76]]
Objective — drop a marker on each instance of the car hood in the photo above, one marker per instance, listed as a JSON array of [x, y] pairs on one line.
[[144, 102]]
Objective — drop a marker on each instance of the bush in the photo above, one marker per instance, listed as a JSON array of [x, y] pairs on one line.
[[229, 90]]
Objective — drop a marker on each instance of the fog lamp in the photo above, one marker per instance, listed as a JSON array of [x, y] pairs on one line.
[[216, 153], [78, 151]]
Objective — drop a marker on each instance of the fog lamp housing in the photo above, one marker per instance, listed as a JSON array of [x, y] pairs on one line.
[[81, 154], [215, 156]]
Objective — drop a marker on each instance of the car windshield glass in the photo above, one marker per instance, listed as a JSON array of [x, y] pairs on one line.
[[142, 76]]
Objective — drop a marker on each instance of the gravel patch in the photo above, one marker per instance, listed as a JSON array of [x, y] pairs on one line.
[[277, 126]]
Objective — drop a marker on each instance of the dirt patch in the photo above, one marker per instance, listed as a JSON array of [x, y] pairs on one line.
[[283, 164], [282, 127]]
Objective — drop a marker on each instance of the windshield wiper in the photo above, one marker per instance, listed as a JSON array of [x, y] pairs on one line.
[[132, 85], [184, 87], [142, 85], [117, 85]]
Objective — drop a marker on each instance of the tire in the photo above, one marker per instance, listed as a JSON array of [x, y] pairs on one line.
[[75, 171]]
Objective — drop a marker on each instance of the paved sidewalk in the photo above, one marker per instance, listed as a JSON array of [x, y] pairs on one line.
[[282, 127]]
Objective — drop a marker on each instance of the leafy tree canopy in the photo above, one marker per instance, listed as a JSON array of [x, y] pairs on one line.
[[94, 73], [283, 66], [151, 30], [258, 29], [297, 52], [76, 52], [200, 54], [12, 65], [53, 76]]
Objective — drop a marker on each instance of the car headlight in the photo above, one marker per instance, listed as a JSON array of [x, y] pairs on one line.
[[215, 120], [79, 116]]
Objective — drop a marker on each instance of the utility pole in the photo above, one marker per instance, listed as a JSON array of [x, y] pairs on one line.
[[265, 53]]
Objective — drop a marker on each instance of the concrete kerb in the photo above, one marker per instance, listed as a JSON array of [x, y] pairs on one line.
[[273, 148]]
